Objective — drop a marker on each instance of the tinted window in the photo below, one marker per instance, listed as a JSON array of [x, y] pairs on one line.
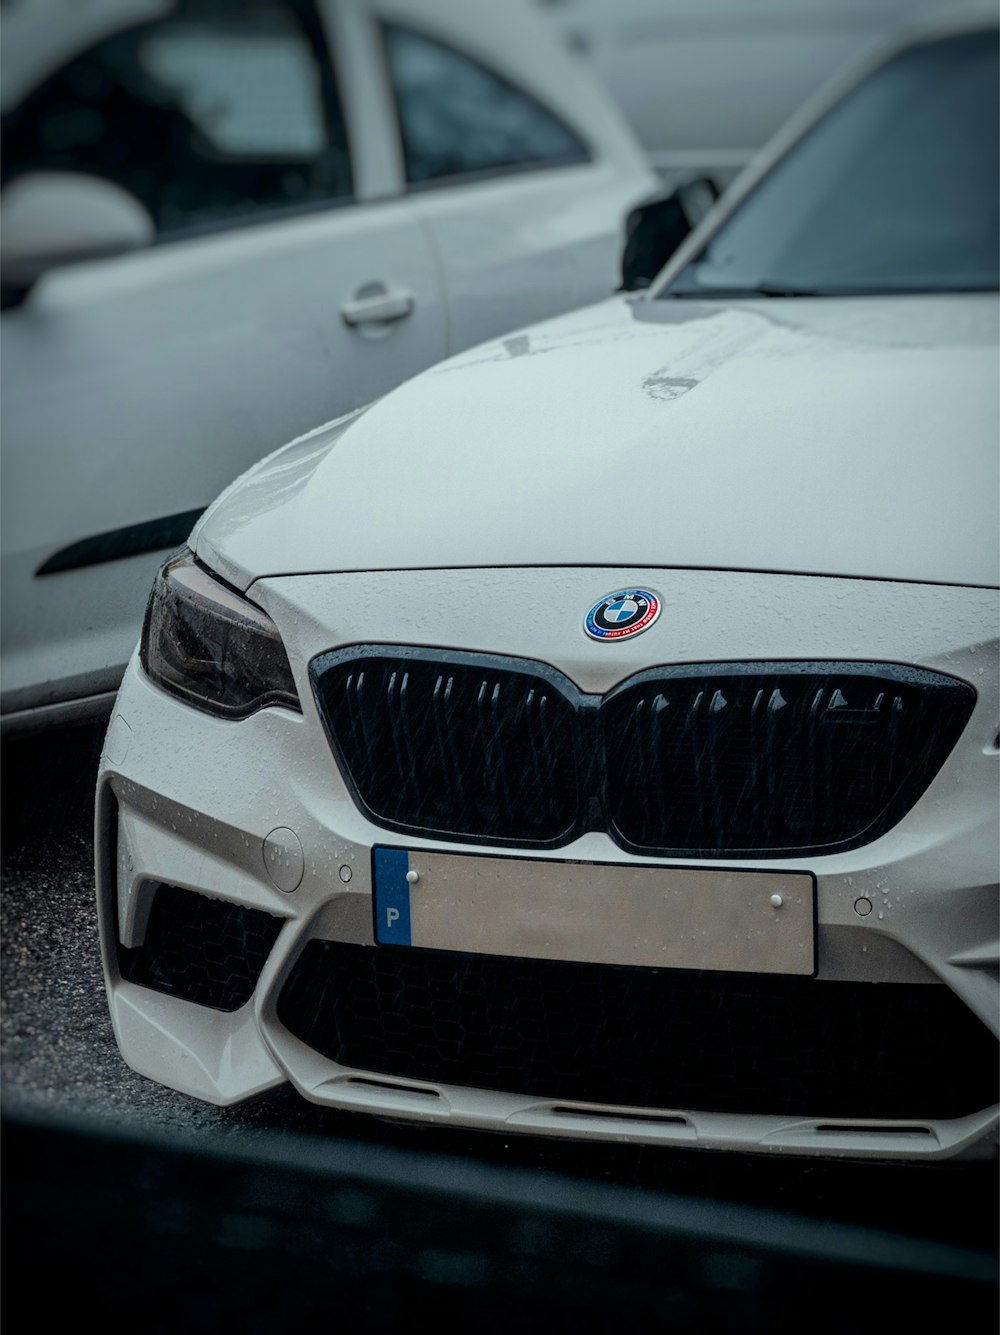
[[220, 112], [895, 190], [457, 117]]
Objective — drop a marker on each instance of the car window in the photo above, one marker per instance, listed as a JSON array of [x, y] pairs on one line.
[[457, 117], [219, 113], [896, 189]]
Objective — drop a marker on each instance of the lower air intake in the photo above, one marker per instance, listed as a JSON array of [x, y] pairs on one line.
[[644, 1037], [209, 951]]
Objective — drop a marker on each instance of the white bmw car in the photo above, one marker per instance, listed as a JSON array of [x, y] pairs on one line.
[[597, 736]]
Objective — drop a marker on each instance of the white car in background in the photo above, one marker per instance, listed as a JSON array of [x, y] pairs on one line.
[[597, 736], [277, 211], [706, 83]]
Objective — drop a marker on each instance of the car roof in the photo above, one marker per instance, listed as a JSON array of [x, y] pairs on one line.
[[38, 35]]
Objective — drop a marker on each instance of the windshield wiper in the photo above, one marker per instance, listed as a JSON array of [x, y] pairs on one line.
[[761, 290], [847, 290]]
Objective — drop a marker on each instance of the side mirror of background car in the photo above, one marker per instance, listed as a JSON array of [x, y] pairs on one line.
[[54, 218], [655, 229]]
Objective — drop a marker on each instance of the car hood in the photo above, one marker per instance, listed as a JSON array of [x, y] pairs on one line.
[[836, 436]]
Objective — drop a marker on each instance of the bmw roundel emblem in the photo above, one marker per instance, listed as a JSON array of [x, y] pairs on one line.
[[619, 615]]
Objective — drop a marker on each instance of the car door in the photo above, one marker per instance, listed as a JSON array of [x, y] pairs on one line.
[[516, 159], [279, 294]]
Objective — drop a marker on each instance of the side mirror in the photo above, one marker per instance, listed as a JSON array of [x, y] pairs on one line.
[[54, 218], [654, 230]]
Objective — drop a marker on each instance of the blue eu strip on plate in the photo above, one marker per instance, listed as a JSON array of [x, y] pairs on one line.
[[392, 897]]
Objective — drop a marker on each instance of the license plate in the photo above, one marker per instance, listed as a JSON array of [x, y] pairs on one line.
[[603, 913]]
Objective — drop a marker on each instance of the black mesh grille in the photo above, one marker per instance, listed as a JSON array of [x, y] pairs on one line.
[[205, 950], [742, 760], [646, 1038], [456, 747], [707, 760]]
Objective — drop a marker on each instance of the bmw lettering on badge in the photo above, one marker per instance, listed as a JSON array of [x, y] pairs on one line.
[[618, 615]]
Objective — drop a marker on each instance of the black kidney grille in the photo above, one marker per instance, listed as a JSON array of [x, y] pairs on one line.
[[766, 759], [702, 759], [648, 1038], [455, 747]]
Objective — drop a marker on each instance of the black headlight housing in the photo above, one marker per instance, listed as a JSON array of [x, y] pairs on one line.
[[208, 645]]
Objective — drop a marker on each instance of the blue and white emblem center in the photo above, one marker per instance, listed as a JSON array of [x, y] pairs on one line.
[[621, 614], [621, 610]]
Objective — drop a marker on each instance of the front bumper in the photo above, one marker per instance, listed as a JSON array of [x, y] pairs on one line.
[[256, 815]]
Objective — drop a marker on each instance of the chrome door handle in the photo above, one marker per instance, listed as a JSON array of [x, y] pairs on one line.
[[378, 307]]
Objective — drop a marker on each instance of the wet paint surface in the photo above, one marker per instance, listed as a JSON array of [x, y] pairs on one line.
[[858, 440]]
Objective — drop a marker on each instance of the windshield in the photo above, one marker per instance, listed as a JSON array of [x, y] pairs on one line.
[[895, 190]]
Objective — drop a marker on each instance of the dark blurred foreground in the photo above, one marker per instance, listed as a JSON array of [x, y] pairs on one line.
[[174, 1235]]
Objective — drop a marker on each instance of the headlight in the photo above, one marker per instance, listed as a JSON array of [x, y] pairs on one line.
[[203, 642]]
